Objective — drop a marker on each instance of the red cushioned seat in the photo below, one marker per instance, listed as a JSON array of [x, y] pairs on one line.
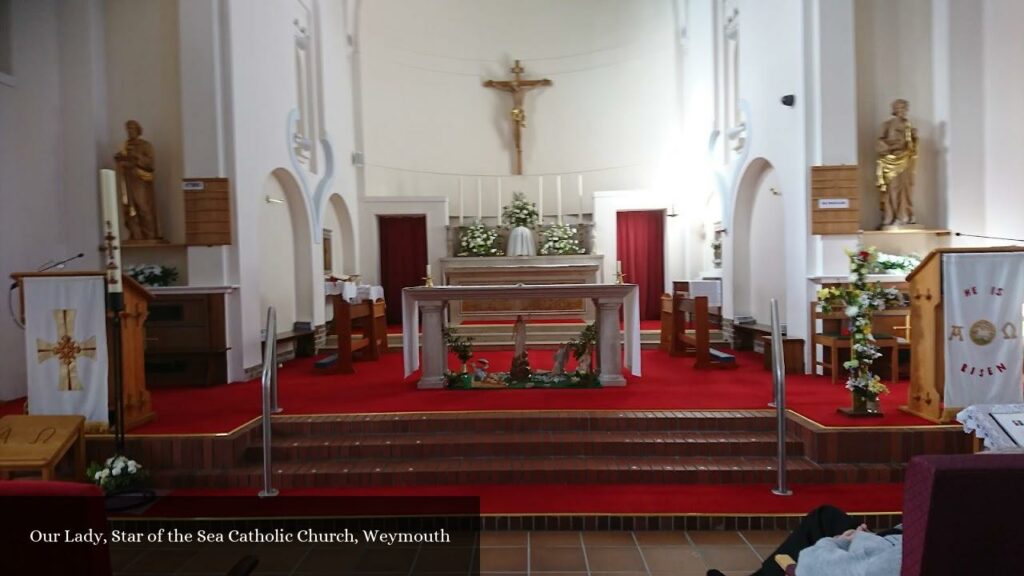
[[962, 515]]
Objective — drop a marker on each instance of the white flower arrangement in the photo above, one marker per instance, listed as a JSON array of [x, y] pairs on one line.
[[887, 263], [560, 239], [520, 212], [152, 274], [859, 302], [479, 240], [117, 473]]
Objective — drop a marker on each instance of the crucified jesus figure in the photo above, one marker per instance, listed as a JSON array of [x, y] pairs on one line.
[[518, 88]]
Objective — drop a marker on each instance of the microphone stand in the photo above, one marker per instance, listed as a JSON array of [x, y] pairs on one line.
[[989, 237]]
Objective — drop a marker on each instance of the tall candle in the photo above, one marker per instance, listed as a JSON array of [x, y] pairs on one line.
[[558, 197], [499, 201], [108, 191], [428, 270], [579, 188], [540, 199], [462, 202], [618, 266], [479, 199]]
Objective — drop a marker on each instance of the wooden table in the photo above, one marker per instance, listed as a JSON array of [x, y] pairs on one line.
[[792, 353], [38, 443]]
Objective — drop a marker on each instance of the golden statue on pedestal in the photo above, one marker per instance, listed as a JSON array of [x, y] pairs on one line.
[[897, 159]]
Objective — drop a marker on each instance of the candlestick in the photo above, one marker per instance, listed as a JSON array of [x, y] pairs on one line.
[[540, 199], [579, 188], [111, 230], [558, 197], [462, 202], [499, 201], [479, 199], [428, 269], [428, 280], [618, 266]]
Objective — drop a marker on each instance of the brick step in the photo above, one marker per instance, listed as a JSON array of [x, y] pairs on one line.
[[534, 470], [525, 421], [524, 444]]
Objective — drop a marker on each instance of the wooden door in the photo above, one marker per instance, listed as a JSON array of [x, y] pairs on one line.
[[403, 258]]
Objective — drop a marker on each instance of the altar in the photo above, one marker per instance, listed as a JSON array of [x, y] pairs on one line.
[[607, 298], [531, 270]]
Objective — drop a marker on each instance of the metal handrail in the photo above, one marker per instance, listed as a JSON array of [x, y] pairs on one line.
[[779, 380], [269, 389]]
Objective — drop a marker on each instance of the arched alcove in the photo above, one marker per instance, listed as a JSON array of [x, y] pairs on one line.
[[338, 221], [759, 255], [286, 265]]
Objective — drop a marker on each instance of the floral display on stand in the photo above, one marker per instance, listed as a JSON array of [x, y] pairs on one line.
[[152, 274], [521, 212], [479, 240], [859, 300], [117, 474], [892, 263], [560, 239]]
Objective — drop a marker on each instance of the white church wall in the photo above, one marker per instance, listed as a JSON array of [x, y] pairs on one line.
[[1004, 120], [894, 60], [774, 32], [610, 115], [143, 84]]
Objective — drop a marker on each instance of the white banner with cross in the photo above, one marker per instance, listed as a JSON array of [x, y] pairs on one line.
[[983, 294], [66, 346]]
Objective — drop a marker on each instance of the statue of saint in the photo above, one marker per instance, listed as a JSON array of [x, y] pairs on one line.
[[897, 156], [559, 361], [519, 336], [135, 173]]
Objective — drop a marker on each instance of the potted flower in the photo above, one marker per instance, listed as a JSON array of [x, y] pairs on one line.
[[152, 274], [479, 240], [521, 215], [462, 347], [123, 480], [859, 300], [560, 239]]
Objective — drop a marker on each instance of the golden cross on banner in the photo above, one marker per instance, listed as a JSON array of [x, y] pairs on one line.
[[66, 350], [518, 88]]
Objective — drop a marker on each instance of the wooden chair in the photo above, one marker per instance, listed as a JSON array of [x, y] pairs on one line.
[[367, 320], [696, 342], [832, 337]]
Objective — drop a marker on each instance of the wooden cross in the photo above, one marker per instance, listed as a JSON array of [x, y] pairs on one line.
[[518, 88], [66, 350]]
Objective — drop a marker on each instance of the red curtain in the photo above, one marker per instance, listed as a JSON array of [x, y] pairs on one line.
[[403, 258], [641, 249]]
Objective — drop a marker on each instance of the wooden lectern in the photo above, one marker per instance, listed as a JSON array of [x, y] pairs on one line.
[[927, 329], [138, 408]]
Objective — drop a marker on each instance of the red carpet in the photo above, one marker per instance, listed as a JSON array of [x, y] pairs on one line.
[[668, 383], [543, 499]]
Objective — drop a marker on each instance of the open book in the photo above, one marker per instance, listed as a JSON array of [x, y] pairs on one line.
[[1013, 424]]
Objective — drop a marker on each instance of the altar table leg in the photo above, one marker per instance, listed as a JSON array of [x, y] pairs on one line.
[[609, 347], [435, 356]]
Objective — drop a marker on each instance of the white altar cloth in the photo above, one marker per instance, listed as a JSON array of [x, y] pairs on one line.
[[608, 298], [350, 292], [978, 419]]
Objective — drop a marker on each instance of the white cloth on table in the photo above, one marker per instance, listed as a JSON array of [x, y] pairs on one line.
[[978, 419], [520, 242], [350, 292]]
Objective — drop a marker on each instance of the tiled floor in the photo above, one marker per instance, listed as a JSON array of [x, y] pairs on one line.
[[500, 554]]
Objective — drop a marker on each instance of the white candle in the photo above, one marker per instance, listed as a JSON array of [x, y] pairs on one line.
[[479, 199], [618, 266], [540, 199], [558, 197], [499, 201], [579, 188], [428, 270], [108, 191], [462, 202]]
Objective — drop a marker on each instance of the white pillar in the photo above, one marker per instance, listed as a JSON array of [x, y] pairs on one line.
[[435, 355], [609, 347]]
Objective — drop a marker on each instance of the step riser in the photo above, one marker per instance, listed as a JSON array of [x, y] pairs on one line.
[[312, 479], [403, 425], [337, 453]]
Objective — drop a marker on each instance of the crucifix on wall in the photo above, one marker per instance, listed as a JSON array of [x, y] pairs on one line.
[[518, 88]]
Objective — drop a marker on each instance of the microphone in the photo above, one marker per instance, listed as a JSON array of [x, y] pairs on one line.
[[51, 265], [61, 263]]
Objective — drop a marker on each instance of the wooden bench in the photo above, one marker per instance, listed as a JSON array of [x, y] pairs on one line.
[[792, 353], [745, 335], [696, 342], [38, 443], [366, 320], [885, 323]]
